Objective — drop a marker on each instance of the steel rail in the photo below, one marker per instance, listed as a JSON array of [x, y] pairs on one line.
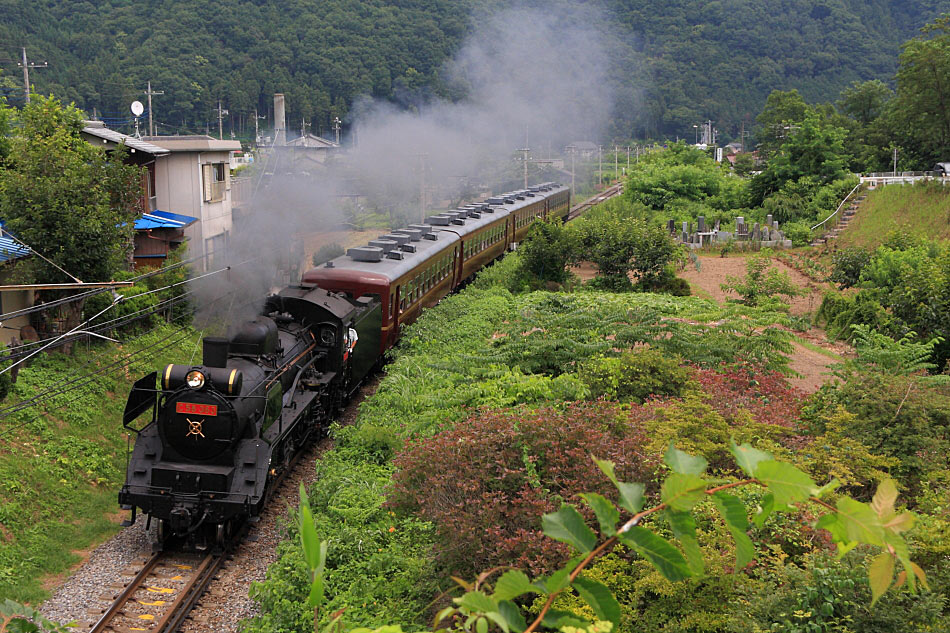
[[123, 598]]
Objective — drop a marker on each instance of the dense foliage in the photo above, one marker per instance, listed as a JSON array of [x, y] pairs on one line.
[[484, 421], [676, 63], [904, 287], [63, 454]]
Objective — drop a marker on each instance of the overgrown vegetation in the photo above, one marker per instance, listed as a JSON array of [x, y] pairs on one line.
[[63, 454], [484, 422]]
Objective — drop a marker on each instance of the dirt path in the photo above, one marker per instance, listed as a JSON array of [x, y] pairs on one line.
[[812, 365], [713, 271]]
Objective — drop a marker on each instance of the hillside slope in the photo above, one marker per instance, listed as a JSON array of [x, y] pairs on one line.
[[921, 210], [676, 63]]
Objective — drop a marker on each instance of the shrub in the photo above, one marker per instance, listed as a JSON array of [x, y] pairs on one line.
[[547, 250], [484, 483], [635, 375], [327, 252], [847, 265], [798, 232], [761, 282]]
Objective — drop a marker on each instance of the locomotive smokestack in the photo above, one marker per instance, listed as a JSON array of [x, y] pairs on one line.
[[215, 351]]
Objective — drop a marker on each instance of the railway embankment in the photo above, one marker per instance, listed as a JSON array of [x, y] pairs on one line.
[[62, 455], [486, 419]]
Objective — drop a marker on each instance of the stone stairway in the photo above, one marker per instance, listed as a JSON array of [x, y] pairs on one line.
[[843, 221]]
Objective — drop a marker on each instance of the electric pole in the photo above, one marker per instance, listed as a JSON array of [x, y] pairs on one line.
[[525, 150], [600, 166], [573, 150], [27, 65], [221, 113], [336, 128], [149, 93], [616, 163], [422, 186], [628, 158], [257, 134]]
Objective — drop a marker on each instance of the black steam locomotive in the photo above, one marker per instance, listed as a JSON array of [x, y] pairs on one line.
[[220, 432]]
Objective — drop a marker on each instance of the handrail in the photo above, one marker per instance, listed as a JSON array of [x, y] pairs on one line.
[[851, 193]]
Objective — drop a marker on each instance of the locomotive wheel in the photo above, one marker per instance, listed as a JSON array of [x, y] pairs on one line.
[[223, 533]]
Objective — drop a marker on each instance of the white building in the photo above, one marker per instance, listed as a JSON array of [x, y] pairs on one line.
[[194, 179]]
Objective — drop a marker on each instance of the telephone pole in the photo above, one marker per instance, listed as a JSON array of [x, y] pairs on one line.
[[257, 134], [573, 149], [221, 113], [600, 166], [27, 65], [422, 186], [149, 93], [336, 128], [525, 150], [616, 162]]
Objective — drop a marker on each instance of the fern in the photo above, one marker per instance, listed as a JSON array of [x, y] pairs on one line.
[[905, 356]]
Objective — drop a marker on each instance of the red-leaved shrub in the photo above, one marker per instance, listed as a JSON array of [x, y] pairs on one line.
[[766, 395], [486, 482]]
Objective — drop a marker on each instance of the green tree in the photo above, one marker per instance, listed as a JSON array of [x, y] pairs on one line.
[[783, 111], [70, 201], [922, 105], [865, 101], [761, 281], [815, 150], [547, 251]]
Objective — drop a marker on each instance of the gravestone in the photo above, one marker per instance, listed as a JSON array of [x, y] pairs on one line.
[[756, 232], [701, 224], [671, 226]]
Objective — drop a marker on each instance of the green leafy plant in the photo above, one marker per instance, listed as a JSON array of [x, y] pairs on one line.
[[20, 618], [761, 282], [849, 523]]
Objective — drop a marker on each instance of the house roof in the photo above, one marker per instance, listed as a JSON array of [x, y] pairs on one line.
[[194, 143], [312, 141], [100, 131], [11, 249], [163, 220]]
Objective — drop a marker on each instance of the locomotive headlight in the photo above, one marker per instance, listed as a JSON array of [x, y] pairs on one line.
[[195, 379]]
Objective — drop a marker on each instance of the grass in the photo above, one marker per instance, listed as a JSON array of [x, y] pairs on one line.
[[819, 349], [62, 461], [922, 210]]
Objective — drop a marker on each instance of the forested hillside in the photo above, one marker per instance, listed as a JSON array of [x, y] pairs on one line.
[[675, 63]]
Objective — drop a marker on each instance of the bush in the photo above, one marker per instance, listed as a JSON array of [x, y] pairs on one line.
[[847, 265], [798, 232], [484, 483], [635, 375], [547, 250], [761, 282], [327, 252]]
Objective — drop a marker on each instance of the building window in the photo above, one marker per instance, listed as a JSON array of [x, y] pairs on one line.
[[215, 177]]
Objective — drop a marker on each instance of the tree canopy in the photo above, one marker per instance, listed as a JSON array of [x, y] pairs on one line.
[[674, 64]]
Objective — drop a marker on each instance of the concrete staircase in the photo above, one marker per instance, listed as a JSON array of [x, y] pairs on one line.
[[843, 221]]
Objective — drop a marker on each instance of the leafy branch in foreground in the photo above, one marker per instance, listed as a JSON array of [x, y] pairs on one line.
[[849, 522]]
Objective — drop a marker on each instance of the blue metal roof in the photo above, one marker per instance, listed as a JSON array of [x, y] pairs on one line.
[[163, 220], [11, 249]]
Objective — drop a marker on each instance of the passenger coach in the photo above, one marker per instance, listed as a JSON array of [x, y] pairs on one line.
[[414, 268]]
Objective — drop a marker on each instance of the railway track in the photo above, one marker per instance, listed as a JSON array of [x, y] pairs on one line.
[[606, 194], [162, 593]]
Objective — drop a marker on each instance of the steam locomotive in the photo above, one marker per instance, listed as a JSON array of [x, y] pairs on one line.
[[219, 434]]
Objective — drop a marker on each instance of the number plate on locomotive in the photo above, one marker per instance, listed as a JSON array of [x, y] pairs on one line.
[[197, 409]]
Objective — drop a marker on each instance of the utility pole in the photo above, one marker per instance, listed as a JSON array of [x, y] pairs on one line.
[[422, 186], [221, 113], [600, 166], [895, 161], [573, 150], [257, 134], [336, 128], [27, 65], [525, 150], [149, 93], [616, 162], [628, 158]]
